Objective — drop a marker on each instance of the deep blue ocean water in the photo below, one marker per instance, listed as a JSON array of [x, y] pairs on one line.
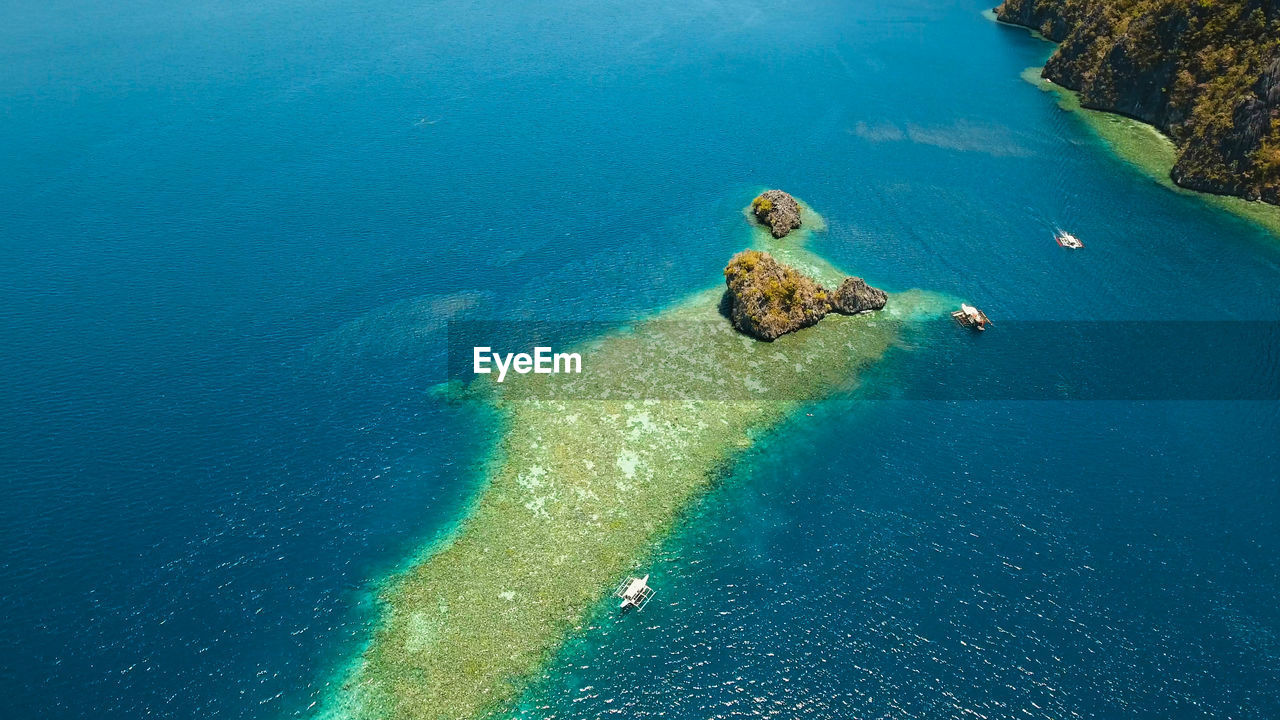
[[234, 232]]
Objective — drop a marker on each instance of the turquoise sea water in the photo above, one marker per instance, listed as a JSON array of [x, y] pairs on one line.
[[234, 233]]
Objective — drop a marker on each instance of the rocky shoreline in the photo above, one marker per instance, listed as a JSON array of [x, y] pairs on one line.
[[1208, 76]]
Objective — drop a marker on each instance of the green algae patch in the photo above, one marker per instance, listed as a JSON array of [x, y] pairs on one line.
[[593, 469], [1150, 151]]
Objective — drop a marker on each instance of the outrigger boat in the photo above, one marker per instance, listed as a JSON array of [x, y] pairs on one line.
[[1067, 240], [635, 593], [971, 317]]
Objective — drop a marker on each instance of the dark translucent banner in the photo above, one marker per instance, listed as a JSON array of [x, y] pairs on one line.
[[931, 360]]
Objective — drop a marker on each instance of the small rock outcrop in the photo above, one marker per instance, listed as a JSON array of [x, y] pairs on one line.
[[769, 299], [855, 296], [778, 211]]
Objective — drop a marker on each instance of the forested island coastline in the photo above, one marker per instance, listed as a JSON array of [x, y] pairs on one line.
[[1205, 74]]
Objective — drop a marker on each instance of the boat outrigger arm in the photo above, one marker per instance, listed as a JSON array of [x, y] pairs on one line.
[[635, 592]]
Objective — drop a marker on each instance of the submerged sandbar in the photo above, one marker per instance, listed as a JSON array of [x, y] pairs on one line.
[[590, 471]]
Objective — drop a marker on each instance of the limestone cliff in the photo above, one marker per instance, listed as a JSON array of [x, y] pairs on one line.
[[855, 296], [778, 211], [770, 299]]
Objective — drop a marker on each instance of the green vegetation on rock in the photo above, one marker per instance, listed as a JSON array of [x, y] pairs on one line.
[[778, 211], [768, 298]]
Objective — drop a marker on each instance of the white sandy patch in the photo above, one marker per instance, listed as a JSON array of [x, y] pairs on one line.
[[537, 505], [531, 479], [640, 423], [627, 463], [424, 628]]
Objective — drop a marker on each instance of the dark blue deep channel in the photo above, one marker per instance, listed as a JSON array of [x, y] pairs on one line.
[[233, 233]]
